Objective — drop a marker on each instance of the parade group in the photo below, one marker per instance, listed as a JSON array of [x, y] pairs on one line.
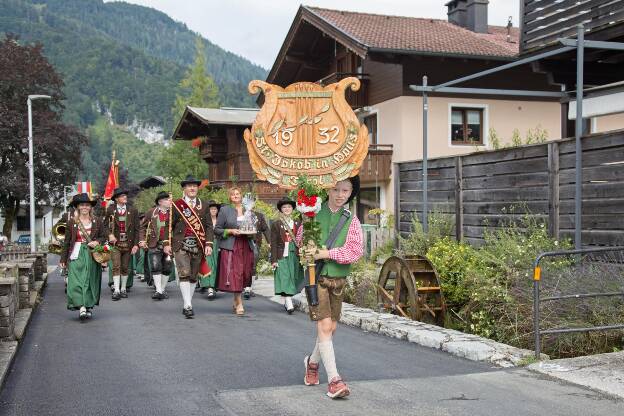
[[203, 244]]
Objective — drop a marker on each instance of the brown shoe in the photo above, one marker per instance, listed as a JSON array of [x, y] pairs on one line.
[[337, 388], [311, 377]]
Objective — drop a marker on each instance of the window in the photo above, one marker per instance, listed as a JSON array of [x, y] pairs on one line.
[[23, 223], [371, 124], [466, 126], [368, 199]]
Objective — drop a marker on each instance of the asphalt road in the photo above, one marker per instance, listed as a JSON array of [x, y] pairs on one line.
[[141, 357]]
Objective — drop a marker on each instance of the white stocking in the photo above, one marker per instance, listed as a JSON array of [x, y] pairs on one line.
[[116, 283], [124, 283], [164, 279], [185, 289], [157, 283], [329, 359]]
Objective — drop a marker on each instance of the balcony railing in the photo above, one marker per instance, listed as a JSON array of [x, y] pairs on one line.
[[544, 21], [356, 99], [377, 167]]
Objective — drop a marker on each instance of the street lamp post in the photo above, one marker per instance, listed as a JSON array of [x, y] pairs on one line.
[[31, 169]]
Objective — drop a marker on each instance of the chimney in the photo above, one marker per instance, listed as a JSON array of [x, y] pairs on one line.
[[470, 14]]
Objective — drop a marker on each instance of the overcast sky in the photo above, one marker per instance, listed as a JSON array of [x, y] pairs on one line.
[[256, 29]]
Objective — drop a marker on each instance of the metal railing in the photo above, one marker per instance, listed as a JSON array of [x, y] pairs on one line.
[[537, 277]]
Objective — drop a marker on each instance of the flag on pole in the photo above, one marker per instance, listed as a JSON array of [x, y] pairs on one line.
[[84, 188], [112, 182]]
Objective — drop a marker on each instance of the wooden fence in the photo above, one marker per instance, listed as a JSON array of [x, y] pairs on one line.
[[485, 189]]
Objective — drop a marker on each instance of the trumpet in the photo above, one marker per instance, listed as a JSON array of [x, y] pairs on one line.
[[58, 237]]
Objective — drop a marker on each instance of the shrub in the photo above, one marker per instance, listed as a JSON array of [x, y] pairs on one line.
[[441, 225], [361, 285]]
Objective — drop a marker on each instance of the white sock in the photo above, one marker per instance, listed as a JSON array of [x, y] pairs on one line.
[[191, 292], [185, 289], [164, 279], [329, 360], [124, 283], [116, 283], [157, 283], [288, 302], [315, 357]]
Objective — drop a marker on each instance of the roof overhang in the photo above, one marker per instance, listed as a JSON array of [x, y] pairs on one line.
[[195, 119]]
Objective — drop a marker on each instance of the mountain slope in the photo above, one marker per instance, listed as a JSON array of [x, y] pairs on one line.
[[122, 59]]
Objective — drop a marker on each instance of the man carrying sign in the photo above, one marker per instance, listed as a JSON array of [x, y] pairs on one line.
[[191, 240]]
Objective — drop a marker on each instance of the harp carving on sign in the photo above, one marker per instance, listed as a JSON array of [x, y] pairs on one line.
[[306, 129]]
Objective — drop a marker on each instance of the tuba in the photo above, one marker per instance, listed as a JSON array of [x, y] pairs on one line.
[[58, 237]]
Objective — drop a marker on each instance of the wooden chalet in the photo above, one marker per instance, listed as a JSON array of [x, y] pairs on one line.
[[219, 135]]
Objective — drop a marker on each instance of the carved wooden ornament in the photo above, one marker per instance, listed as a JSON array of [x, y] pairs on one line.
[[306, 129]]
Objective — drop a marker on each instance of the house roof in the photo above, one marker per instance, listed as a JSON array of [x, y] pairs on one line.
[[195, 119], [225, 116], [414, 34]]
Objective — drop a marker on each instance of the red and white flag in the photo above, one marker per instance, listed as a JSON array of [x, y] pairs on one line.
[[83, 188]]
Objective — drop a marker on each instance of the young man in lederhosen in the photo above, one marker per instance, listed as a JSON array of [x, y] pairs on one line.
[[121, 222], [154, 236], [191, 241], [338, 222]]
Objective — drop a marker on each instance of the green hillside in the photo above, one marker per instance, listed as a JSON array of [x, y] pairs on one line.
[[126, 58]]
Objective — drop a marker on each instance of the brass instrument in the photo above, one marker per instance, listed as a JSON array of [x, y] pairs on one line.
[[58, 237]]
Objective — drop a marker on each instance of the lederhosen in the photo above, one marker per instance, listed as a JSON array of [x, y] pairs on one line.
[[159, 261], [191, 253], [121, 256]]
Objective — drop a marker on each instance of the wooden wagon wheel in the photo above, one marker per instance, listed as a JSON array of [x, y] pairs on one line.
[[396, 288], [410, 287]]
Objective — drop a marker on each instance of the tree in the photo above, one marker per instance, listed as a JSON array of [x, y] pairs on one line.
[[57, 147], [199, 90]]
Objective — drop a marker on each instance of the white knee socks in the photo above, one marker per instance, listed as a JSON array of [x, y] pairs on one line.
[[164, 279], [116, 283], [124, 283], [157, 283], [187, 293], [288, 303], [315, 357], [329, 360]]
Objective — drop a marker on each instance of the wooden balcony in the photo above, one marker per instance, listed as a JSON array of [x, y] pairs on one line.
[[213, 149], [357, 99], [544, 21], [377, 167]]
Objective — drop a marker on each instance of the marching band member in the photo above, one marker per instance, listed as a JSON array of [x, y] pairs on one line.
[[209, 283], [347, 248], [191, 241], [122, 223], [287, 270], [83, 230], [236, 258], [154, 237]]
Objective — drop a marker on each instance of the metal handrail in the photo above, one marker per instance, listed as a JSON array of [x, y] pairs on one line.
[[537, 277]]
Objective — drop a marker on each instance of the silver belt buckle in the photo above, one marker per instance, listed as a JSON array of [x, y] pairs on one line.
[[123, 237]]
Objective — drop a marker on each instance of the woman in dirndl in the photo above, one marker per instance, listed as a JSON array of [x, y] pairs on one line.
[[287, 270], [84, 278], [209, 283], [236, 258]]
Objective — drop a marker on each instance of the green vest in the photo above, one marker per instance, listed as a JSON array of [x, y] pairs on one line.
[[328, 221]]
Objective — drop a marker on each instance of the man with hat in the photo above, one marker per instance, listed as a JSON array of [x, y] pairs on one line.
[[342, 245], [122, 224], [154, 236], [191, 241]]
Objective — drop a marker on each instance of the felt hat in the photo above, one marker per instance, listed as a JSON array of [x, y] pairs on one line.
[[81, 199], [161, 195], [285, 200], [119, 192], [213, 203], [190, 180]]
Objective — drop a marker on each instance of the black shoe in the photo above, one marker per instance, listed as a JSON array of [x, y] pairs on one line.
[[247, 294], [188, 313], [165, 295], [116, 296], [124, 294], [156, 296], [83, 315], [89, 313]]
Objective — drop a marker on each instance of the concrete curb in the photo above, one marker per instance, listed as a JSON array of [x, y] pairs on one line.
[[454, 342]]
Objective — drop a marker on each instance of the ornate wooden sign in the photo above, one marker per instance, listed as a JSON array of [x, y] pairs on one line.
[[307, 129]]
